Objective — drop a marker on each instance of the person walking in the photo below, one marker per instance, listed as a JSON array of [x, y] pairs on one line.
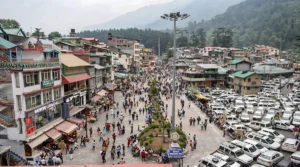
[[91, 131], [75, 145], [98, 131], [191, 121], [67, 148], [103, 153], [123, 149], [118, 151], [114, 136], [128, 141], [194, 121], [71, 153], [113, 152], [191, 144], [143, 154], [131, 128], [113, 126], [224, 133], [106, 116], [101, 137], [205, 126], [195, 144], [198, 119], [94, 144]]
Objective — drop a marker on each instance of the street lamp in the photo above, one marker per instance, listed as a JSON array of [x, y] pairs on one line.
[[174, 17]]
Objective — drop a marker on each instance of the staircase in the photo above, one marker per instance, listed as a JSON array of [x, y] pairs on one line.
[[7, 121], [5, 76], [15, 159], [4, 57], [6, 99]]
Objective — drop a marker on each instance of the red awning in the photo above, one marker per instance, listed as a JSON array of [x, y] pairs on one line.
[[76, 78]]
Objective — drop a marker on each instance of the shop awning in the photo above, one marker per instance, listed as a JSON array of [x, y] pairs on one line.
[[66, 127], [102, 93], [96, 98], [53, 134], [76, 78], [199, 96], [75, 120], [37, 141], [76, 109]]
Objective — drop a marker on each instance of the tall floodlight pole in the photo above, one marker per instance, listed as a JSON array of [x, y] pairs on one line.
[[174, 17]]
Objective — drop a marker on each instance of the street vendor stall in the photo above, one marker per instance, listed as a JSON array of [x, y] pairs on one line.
[[68, 130]]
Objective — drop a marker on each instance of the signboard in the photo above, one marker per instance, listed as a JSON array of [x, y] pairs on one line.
[[47, 106], [17, 66], [175, 153], [46, 84], [71, 97]]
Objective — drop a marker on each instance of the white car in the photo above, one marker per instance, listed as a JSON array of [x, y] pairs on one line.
[[296, 121], [241, 127], [257, 115], [230, 161], [245, 117], [296, 101], [249, 108], [257, 145], [268, 119], [270, 158], [286, 118], [295, 157], [273, 133], [290, 145], [283, 125]]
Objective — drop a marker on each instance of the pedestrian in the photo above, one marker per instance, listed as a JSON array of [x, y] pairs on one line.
[[118, 113], [131, 128], [122, 162], [137, 117], [103, 153], [113, 126], [129, 120], [132, 115], [180, 123], [123, 149], [143, 154], [143, 110], [114, 136], [98, 131], [198, 119], [202, 125], [128, 141], [194, 121], [106, 116], [71, 153], [118, 151], [101, 137], [75, 145], [91, 131], [195, 144], [112, 152], [67, 148], [191, 121], [191, 144], [224, 133], [189, 104], [205, 125], [94, 144], [118, 125]]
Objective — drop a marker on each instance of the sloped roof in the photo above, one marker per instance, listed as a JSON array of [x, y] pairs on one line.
[[234, 62], [15, 31], [50, 50], [242, 74], [71, 60], [6, 44]]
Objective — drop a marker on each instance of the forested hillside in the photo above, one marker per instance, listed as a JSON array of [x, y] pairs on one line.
[[147, 37], [269, 22]]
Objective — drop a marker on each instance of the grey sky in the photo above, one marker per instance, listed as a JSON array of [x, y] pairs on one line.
[[62, 15]]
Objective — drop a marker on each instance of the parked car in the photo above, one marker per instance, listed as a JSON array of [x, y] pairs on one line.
[[230, 162], [245, 117], [286, 118], [257, 115], [270, 158], [263, 140], [290, 145], [283, 125], [273, 133], [295, 157], [268, 119], [257, 145]]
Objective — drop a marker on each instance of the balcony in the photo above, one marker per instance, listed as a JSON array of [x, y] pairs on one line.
[[193, 79], [5, 76], [82, 87], [32, 61]]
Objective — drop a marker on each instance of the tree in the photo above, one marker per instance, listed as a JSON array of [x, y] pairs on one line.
[[9, 23], [223, 37], [169, 51], [182, 41], [38, 33], [53, 35], [202, 34], [194, 40]]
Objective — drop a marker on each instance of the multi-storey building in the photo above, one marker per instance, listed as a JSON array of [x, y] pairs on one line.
[[31, 92], [147, 58], [216, 56], [122, 61], [246, 82], [269, 50], [127, 45]]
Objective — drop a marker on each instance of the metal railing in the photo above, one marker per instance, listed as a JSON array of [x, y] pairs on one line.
[[6, 118], [82, 87], [31, 61]]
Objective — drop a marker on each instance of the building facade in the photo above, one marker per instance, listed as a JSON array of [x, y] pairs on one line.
[[246, 82]]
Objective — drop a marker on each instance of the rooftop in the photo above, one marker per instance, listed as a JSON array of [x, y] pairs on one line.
[[243, 74], [266, 69], [208, 66], [71, 60], [6, 44]]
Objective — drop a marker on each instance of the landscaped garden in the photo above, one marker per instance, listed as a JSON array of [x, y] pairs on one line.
[[157, 134]]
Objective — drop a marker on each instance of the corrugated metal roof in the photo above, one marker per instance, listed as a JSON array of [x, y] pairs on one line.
[[233, 62], [70, 60], [6, 44], [242, 74], [98, 67], [50, 50], [208, 66], [15, 31]]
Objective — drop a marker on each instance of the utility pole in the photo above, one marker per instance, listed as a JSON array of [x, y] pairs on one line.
[[158, 47], [174, 17]]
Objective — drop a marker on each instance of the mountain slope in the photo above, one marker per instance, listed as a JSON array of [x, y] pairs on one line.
[[269, 22], [149, 16]]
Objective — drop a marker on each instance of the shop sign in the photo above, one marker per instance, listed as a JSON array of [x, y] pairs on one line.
[[71, 97], [176, 153], [46, 84], [20, 66], [47, 106]]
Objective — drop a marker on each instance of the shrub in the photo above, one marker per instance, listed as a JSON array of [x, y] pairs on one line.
[[159, 129], [150, 140], [151, 135], [152, 126], [146, 144], [147, 129]]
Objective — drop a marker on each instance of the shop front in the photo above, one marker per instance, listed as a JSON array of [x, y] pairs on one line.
[[68, 131], [36, 147], [39, 117], [76, 99]]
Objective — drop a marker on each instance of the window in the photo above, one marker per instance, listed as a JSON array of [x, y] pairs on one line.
[[17, 79], [33, 101], [57, 93], [46, 75], [19, 102], [31, 78], [249, 79], [125, 60], [120, 55], [47, 95], [20, 126], [248, 88], [56, 75]]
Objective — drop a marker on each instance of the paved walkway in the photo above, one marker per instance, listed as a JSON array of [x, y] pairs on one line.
[[208, 141]]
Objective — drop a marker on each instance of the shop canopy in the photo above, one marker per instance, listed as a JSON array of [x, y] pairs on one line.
[[120, 75], [96, 98], [37, 141], [199, 96], [75, 120], [53, 134], [66, 127], [102, 93], [75, 78]]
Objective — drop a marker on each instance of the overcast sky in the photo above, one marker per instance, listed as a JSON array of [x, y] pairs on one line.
[[62, 15]]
